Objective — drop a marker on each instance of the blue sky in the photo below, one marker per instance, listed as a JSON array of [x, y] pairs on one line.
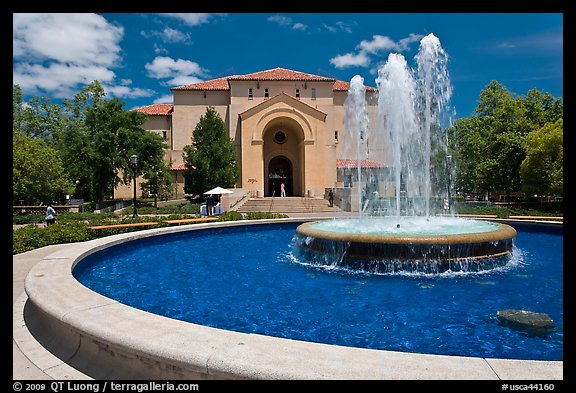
[[139, 57]]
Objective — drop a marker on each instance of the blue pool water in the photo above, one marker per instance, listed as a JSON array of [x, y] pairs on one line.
[[247, 279]]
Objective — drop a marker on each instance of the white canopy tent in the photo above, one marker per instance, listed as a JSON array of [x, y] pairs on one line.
[[218, 208], [218, 191]]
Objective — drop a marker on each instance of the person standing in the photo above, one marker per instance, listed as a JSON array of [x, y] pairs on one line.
[[210, 205], [331, 197], [50, 215], [282, 190]]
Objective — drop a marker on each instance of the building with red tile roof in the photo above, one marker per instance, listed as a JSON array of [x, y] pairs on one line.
[[286, 126]]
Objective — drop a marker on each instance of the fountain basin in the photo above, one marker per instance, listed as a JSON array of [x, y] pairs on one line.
[[385, 245]]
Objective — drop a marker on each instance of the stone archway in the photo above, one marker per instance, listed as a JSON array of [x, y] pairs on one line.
[[280, 172], [283, 152], [285, 126]]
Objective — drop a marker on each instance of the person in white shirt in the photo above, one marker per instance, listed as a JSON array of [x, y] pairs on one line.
[[50, 215]]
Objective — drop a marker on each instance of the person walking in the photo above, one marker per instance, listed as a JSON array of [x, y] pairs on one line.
[[50, 215], [282, 190]]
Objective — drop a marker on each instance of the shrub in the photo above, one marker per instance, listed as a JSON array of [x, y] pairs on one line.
[[264, 215], [231, 216], [31, 237]]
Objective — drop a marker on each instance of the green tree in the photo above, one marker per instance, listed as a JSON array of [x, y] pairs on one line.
[[210, 160], [489, 147], [37, 118], [37, 171], [541, 108], [99, 139], [158, 183], [542, 170], [94, 138], [116, 134], [77, 148]]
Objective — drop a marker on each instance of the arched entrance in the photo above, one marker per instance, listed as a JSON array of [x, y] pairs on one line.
[[283, 153], [280, 172]]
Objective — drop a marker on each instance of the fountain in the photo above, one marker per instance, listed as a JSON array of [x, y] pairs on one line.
[[407, 134]]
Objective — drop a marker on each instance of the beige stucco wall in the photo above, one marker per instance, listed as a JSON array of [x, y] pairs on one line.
[[161, 125], [189, 107], [310, 126], [305, 147]]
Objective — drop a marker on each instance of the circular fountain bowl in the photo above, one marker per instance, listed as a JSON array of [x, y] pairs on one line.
[[412, 244]]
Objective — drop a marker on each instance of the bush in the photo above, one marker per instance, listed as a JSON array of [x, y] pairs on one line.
[[181, 208], [32, 236], [231, 216], [264, 215]]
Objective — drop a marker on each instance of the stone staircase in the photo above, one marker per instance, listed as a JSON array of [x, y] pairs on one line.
[[287, 205]]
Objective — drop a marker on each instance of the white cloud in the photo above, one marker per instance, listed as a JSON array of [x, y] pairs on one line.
[[351, 60], [80, 39], [345, 27], [60, 80], [331, 29], [404, 43], [58, 54], [299, 26], [192, 19], [179, 72], [379, 45], [181, 80], [165, 99], [287, 21], [173, 35], [281, 20], [128, 92], [169, 35]]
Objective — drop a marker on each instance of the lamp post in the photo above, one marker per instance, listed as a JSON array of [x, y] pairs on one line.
[[449, 165], [134, 162]]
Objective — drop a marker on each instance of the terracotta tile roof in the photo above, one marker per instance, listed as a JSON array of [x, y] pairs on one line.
[[345, 86], [280, 74], [276, 74], [350, 163], [180, 167], [156, 109], [214, 84]]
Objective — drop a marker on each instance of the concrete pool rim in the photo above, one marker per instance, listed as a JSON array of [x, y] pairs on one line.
[[130, 343]]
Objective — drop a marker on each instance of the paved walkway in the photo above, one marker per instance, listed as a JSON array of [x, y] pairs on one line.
[[23, 342]]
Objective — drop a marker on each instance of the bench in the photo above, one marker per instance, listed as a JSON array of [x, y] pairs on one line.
[[190, 220], [134, 224], [478, 215], [557, 218]]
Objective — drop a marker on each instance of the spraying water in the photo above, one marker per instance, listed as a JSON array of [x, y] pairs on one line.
[[356, 122], [396, 104], [411, 107], [436, 90], [407, 131]]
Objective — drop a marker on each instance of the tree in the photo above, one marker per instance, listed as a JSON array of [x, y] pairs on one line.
[[94, 138], [210, 160], [37, 118], [542, 170], [116, 134], [76, 140], [37, 171], [490, 147]]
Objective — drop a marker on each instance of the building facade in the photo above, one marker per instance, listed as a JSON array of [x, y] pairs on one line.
[[286, 127]]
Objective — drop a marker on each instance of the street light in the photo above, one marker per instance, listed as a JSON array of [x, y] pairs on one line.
[[449, 165], [134, 162]]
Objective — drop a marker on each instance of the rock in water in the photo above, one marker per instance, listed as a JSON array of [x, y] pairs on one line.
[[529, 321]]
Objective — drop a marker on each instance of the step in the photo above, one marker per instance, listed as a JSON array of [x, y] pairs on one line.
[[287, 205]]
